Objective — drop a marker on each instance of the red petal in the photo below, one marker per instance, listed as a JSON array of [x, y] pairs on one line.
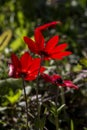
[[56, 76], [26, 61], [60, 48], [52, 43], [30, 78], [39, 40], [16, 66], [35, 64], [35, 70], [34, 73], [45, 26], [47, 77], [15, 61], [31, 44], [70, 84], [60, 55], [42, 69]]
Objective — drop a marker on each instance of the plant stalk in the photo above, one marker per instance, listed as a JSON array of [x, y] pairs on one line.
[[37, 90], [63, 98], [26, 103], [57, 123], [56, 116]]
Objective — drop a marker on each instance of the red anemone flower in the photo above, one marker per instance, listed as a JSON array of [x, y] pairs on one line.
[[26, 67], [57, 80], [49, 49]]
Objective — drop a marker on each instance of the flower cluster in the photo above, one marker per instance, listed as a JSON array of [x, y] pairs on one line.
[[27, 67]]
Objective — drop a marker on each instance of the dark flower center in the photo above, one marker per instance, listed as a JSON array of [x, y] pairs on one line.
[[23, 74], [44, 53], [59, 81]]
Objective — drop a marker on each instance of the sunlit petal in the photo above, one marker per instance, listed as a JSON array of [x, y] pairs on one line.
[[31, 44]]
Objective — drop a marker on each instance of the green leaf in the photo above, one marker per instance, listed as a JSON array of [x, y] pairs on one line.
[[8, 87], [72, 125], [53, 108], [20, 17], [6, 84], [5, 37], [84, 62], [60, 108], [77, 68], [17, 43], [39, 124], [13, 97]]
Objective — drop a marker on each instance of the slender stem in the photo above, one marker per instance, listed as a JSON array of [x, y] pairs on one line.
[[57, 123], [56, 98], [26, 103], [62, 95], [56, 116], [63, 99], [37, 89]]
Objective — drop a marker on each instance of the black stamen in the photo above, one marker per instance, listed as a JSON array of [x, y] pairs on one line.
[[59, 81], [23, 75], [44, 53]]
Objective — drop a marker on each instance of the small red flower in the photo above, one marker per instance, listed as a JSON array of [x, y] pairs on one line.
[[57, 80], [26, 67], [49, 49]]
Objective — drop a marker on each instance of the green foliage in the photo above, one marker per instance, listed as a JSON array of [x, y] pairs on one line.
[[60, 108], [40, 123], [18, 42], [54, 110], [4, 39], [84, 62], [10, 91], [13, 97], [83, 3], [77, 68], [82, 65]]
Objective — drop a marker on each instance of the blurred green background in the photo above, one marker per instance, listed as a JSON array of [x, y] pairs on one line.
[[21, 17]]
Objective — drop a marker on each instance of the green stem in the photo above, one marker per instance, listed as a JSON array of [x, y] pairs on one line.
[[62, 95], [37, 90], [56, 116], [26, 103], [56, 99], [57, 123], [63, 99]]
